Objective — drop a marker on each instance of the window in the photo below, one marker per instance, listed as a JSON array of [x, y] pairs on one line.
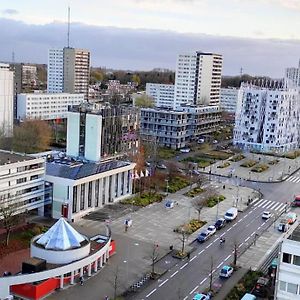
[[296, 260], [82, 195], [292, 288], [74, 208], [287, 258], [97, 193], [90, 194]]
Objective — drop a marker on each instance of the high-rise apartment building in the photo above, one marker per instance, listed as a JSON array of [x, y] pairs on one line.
[[228, 99], [69, 71], [267, 118], [6, 99], [292, 76], [162, 94], [198, 79]]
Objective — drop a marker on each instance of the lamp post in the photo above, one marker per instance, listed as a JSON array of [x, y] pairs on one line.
[[167, 186]]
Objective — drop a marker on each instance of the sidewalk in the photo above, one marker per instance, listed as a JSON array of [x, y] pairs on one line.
[[276, 173]]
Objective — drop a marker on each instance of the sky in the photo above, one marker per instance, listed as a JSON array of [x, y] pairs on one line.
[[261, 36]]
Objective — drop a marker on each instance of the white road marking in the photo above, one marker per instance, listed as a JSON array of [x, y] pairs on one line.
[[247, 238], [203, 280], [153, 291], [276, 206], [269, 205], [241, 245], [185, 297], [174, 274], [252, 233], [227, 257], [220, 264], [193, 258], [222, 234], [184, 266], [266, 204], [163, 282], [234, 225], [194, 289]]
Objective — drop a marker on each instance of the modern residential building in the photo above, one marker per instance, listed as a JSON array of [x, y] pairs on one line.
[[102, 131], [175, 129], [228, 99], [68, 71], [22, 183], [292, 76], [198, 79], [55, 74], [163, 94], [6, 99], [267, 117], [46, 106], [288, 270], [25, 76]]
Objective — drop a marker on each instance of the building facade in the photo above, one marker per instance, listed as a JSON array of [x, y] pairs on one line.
[[228, 99], [68, 71], [6, 99], [46, 106], [292, 76], [198, 79], [175, 129], [163, 94], [104, 131], [22, 182], [288, 271], [267, 118]]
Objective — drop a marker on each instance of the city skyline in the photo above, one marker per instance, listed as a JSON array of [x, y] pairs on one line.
[[207, 26]]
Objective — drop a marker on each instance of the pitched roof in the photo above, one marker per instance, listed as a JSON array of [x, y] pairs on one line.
[[61, 236]]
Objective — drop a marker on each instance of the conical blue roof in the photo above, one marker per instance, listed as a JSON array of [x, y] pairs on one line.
[[61, 236]]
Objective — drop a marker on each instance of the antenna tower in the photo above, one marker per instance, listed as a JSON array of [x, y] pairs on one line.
[[68, 26]]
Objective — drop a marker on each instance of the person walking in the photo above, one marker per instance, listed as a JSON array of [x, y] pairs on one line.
[[81, 280]]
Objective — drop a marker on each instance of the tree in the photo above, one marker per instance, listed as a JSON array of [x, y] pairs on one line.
[[136, 78], [144, 101], [154, 258], [198, 204], [32, 136], [235, 252], [184, 235], [8, 218]]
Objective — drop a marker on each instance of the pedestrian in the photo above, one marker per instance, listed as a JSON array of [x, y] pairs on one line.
[[188, 255], [81, 280]]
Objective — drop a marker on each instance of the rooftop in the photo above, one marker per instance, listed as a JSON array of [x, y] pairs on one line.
[[295, 235], [80, 170], [7, 157]]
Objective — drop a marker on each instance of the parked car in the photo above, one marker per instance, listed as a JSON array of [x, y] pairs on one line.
[[226, 272], [231, 214], [261, 287], [161, 166], [185, 150], [203, 236], [211, 229], [266, 215], [283, 225], [169, 204], [199, 296], [201, 141], [296, 202], [291, 217], [220, 223], [248, 296], [215, 142]]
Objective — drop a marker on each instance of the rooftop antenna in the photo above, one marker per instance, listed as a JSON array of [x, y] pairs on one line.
[[68, 26], [13, 57], [241, 72]]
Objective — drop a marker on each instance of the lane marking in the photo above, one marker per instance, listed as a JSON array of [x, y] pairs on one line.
[[185, 297], [241, 245], [252, 233], [163, 282], [184, 266], [153, 291], [220, 264], [174, 274], [193, 290], [247, 238], [222, 234], [193, 258], [227, 257], [203, 280], [201, 252], [208, 245]]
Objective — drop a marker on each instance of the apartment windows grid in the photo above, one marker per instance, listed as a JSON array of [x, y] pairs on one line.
[[74, 207], [82, 196]]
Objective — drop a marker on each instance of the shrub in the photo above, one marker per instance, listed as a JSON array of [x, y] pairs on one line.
[[144, 199], [166, 153], [190, 227], [177, 183], [249, 163], [194, 192], [224, 165], [273, 162], [237, 157], [213, 200], [260, 168], [292, 155]]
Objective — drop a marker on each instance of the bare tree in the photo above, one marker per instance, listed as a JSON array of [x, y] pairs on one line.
[[154, 258], [116, 281], [198, 204], [235, 252], [9, 218], [183, 237]]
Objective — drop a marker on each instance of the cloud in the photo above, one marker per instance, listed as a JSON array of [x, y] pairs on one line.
[[10, 11], [142, 49]]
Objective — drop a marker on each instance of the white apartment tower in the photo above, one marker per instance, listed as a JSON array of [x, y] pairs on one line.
[[68, 71], [6, 99], [267, 118], [198, 79], [292, 76]]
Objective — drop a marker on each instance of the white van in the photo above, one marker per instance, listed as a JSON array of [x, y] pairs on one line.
[[231, 214]]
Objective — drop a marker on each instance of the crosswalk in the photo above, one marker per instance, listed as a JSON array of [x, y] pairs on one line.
[[270, 205], [294, 179]]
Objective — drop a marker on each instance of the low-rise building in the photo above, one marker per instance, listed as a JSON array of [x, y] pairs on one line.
[[288, 271], [45, 106], [22, 183]]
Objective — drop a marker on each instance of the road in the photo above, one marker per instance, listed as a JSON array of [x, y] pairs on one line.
[[189, 277]]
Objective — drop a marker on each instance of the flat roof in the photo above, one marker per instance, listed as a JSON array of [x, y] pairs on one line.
[[81, 170], [295, 235], [7, 157]]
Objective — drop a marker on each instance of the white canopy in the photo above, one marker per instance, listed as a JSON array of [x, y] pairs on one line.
[[61, 236]]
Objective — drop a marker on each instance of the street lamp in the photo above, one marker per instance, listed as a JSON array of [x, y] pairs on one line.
[[167, 186]]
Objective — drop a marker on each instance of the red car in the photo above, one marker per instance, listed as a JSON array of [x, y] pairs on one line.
[[296, 202]]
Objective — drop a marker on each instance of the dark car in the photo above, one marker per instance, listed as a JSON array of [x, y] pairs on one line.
[[220, 223], [203, 236], [261, 287]]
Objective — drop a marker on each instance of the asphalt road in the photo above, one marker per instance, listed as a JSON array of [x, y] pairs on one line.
[[191, 276]]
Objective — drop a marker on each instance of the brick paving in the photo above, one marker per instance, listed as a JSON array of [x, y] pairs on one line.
[[13, 261]]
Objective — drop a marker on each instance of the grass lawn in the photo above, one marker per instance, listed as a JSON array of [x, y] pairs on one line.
[[201, 161], [292, 154], [224, 165], [166, 153], [237, 157], [248, 163], [144, 199], [213, 200], [191, 227], [260, 168], [194, 192], [177, 183]]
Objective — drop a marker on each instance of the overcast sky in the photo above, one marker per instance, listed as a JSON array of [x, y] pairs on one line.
[[262, 36]]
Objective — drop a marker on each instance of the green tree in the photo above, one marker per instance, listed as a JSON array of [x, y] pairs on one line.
[[144, 101], [136, 78]]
